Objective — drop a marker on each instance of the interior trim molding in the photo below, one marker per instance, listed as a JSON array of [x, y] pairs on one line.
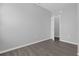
[[69, 42], [22, 46]]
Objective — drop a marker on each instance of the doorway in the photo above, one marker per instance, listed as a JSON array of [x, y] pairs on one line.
[[57, 28]]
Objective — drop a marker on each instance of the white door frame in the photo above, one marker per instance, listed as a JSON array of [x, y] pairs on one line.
[[52, 25]]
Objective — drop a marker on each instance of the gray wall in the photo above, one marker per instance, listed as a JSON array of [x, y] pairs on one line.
[[23, 24], [56, 26], [78, 25], [68, 25]]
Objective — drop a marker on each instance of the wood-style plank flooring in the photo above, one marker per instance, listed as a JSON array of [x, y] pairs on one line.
[[45, 48]]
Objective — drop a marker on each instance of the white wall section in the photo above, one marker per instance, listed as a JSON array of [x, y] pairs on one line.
[[68, 25], [78, 26], [23, 24]]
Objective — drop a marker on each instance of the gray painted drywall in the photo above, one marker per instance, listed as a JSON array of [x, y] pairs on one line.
[[68, 24], [78, 25], [56, 26], [23, 24]]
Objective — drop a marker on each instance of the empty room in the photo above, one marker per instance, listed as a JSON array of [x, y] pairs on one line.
[[39, 29]]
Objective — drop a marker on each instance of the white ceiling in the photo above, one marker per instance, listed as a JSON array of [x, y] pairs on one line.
[[56, 7]]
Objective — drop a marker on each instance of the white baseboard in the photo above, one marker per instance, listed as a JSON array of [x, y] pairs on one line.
[[22, 46], [69, 42]]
